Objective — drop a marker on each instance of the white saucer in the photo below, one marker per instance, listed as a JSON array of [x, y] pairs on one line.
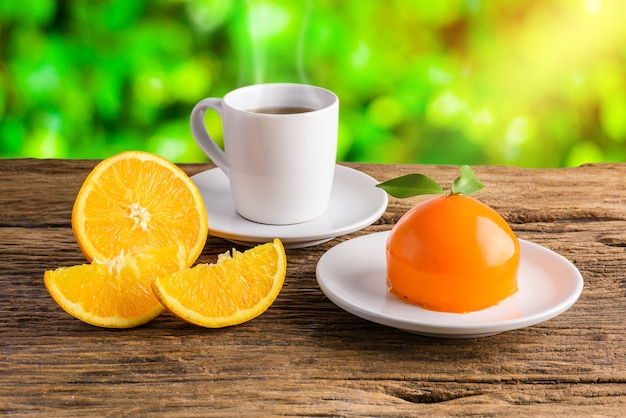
[[353, 276], [355, 203]]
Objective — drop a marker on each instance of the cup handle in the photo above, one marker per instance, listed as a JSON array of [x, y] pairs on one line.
[[202, 137]]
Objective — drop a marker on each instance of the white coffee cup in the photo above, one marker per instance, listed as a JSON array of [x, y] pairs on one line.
[[280, 165]]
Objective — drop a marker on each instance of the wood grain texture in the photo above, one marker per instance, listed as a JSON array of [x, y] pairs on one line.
[[305, 356]]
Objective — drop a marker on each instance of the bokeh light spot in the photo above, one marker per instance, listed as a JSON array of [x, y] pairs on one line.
[[385, 112], [266, 19], [361, 56], [208, 15], [583, 153], [514, 137], [445, 106]]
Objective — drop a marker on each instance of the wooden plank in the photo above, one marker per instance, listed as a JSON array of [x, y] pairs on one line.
[[305, 356]]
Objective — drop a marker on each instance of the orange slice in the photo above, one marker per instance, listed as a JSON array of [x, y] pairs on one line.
[[135, 201], [236, 289], [115, 293]]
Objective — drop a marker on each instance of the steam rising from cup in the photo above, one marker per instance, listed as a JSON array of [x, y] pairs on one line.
[[264, 21]]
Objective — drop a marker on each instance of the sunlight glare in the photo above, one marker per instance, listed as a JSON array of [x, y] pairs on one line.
[[593, 7]]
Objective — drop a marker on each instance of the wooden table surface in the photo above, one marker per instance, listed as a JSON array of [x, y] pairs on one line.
[[305, 356]]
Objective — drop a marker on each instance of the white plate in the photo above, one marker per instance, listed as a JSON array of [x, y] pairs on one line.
[[353, 276], [355, 203]]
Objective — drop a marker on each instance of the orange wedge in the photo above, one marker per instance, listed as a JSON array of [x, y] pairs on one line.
[[236, 289], [135, 201], [115, 293]]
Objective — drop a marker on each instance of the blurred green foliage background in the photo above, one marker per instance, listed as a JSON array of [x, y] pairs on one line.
[[531, 83]]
